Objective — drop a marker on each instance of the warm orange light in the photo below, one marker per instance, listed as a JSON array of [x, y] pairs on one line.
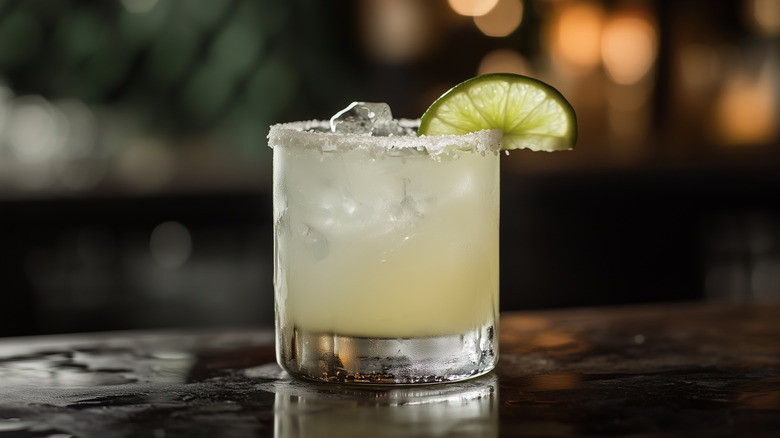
[[502, 20], [765, 14], [576, 36], [555, 382], [553, 339], [472, 8], [527, 323], [628, 47], [503, 61], [746, 111]]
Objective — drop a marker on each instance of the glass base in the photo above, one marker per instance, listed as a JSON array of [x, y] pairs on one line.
[[346, 359]]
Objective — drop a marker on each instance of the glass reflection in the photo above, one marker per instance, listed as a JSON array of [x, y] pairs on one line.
[[467, 409]]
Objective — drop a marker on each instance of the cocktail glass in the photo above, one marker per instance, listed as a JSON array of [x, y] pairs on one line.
[[386, 254]]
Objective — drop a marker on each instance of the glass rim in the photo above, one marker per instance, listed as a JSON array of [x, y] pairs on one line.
[[299, 135]]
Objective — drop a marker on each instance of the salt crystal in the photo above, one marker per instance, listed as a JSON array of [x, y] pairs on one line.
[[315, 134]]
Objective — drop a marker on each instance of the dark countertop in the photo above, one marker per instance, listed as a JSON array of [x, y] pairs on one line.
[[684, 369]]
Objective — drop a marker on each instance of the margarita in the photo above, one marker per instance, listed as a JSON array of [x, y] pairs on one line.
[[387, 232]]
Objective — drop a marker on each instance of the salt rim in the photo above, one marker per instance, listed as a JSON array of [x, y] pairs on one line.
[[300, 135]]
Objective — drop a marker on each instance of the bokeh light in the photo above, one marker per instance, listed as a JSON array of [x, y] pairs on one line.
[[35, 129], [504, 61], [629, 47], [170, 244], [472, 8], [502, 20], [396, 31], [576, 34], [765, 15], [745, 112]]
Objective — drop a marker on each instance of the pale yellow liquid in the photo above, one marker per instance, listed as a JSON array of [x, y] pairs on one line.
[[386, 248]]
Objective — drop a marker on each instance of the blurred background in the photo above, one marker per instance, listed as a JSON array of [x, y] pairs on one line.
[[135, 176]]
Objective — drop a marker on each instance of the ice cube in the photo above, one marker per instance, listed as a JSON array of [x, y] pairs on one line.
[[366, 118], [315, 242]]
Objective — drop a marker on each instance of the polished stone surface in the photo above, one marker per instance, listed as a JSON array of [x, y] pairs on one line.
[[691, 369]]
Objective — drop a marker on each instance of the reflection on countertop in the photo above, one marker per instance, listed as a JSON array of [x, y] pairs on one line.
[[680, 369]]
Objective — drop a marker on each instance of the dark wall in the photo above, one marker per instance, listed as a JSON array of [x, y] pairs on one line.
[[567, 240]]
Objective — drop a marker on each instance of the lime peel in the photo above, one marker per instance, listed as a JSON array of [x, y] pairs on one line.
[[530, 113]]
